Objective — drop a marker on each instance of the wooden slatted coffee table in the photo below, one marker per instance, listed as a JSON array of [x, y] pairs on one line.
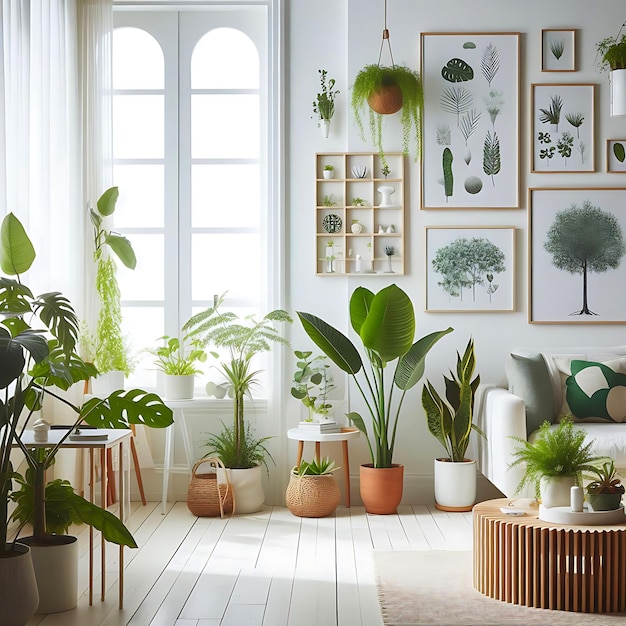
[[524, 560]]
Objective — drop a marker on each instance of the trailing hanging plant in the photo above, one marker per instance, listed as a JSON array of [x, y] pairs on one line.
[[374, 78]]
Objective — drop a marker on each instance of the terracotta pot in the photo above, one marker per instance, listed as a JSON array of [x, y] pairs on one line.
[[387, 100], [381, 488]]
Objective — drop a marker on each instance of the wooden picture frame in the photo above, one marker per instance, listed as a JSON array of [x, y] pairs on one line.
[[616, 156], [481, 277], [576, 254], [470, 122], [562, 127], [558, 50]]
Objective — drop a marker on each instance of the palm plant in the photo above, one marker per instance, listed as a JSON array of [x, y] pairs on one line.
[[552, 115], [385, 324], [243, 339]]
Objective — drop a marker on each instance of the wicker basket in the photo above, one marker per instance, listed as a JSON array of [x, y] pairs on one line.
[[207, 498], [312, 496]]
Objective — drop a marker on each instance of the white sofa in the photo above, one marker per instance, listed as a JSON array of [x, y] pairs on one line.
[[536, 392]]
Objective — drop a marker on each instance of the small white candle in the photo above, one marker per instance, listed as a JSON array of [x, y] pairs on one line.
[[576, 499], [357, 264]]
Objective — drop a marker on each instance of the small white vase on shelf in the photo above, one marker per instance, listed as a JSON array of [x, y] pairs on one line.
[[385, 191]]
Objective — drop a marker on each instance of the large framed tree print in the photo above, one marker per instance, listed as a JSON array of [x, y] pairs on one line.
[[470, 126], [577, 254]]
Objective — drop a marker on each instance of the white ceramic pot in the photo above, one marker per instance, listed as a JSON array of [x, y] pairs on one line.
[[556, 490], [617, 80], [105, 384], [324, 128], [455, 485], [19, 597], [178, 387], [248, 489], [56, 570], [328, 173], [356, 228]]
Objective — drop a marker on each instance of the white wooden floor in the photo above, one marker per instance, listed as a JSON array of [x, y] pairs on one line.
[[265, 569]]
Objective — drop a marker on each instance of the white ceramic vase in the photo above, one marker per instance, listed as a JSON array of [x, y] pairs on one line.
[[617, 81], [556, 490], [455, 485], [324, 128], [328, 173], [178, 387], [385, 191]]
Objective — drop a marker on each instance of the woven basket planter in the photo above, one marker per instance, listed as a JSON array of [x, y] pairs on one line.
[[206, 497], [312, 496]]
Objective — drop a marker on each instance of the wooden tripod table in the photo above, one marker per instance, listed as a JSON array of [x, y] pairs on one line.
[[524, 560]]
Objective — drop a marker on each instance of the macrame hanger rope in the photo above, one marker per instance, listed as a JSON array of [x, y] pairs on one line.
[[385, 38]]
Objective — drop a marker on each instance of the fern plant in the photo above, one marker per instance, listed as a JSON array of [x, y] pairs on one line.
[[556, 451]]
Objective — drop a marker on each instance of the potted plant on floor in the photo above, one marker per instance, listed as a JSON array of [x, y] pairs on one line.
[[324, 103], [312, 382], [177, 360], [555, 461], [385, 325], [612, 56], [605, 491], [111, 358], [38, 336], [451, 421], [242, 339], [313, 490]]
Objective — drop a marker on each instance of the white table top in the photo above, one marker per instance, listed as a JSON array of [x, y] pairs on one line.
[[302, 434], [115, 437]]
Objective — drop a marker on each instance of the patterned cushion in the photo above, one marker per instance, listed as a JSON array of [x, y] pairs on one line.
[[596, 391]]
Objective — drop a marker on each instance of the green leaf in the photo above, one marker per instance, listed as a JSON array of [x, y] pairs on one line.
[[16, 249], [124, 407], [456, 71], [123, 250], [619, 152], [56, 312], [14, 297], [448, 176], [360, 304], [357, 420], [334, 344], [389, 328], [106, 202]]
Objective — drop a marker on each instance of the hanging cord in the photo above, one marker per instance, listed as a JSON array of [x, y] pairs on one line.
[[385, 38]]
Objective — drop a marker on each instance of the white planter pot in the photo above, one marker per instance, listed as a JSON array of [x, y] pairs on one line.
[[178, 387], [556, 490], [455, 485], [18, 588], [248, 489], [56, 570], [617, 81], [105, 384], [324, 128], [328, 173]]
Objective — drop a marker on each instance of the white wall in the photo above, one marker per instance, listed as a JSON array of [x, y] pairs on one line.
[[344, 35]]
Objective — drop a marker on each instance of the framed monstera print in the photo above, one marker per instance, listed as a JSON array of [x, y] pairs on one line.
[[470, 124]]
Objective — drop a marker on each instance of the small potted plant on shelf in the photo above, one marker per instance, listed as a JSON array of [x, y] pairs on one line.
[[328, 171], [324, 103], [328, 201], [312, 384], [242, 339], [451, 421], [605, 491], [178, 362], [357, 202], [385, 324], [386, 90], [555, 461], [611, 52], [313, 490]]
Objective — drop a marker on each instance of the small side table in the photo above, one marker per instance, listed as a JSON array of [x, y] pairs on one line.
[[301, 435]]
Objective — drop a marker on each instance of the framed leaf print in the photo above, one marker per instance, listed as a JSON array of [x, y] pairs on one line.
[[577, 255], [470, 125], [470, 268], [558, 50], [616, 156], [562, 128]]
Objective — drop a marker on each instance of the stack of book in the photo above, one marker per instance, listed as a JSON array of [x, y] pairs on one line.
[[324, 427]]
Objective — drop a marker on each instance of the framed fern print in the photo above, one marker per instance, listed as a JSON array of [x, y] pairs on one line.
[[562, 128], [470, 125]]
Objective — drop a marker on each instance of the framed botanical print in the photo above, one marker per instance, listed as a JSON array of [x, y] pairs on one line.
[[577, 255], [470, 125], [616, 156], [470, 268], [558, 50], [562, 127]]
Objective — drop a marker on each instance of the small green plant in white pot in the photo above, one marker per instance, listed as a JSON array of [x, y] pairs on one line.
[[312, 382], [328, 171], [324, 103]]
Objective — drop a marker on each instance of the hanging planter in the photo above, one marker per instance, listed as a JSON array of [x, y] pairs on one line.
[[324, 103], [386, 90], [612, 56]]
